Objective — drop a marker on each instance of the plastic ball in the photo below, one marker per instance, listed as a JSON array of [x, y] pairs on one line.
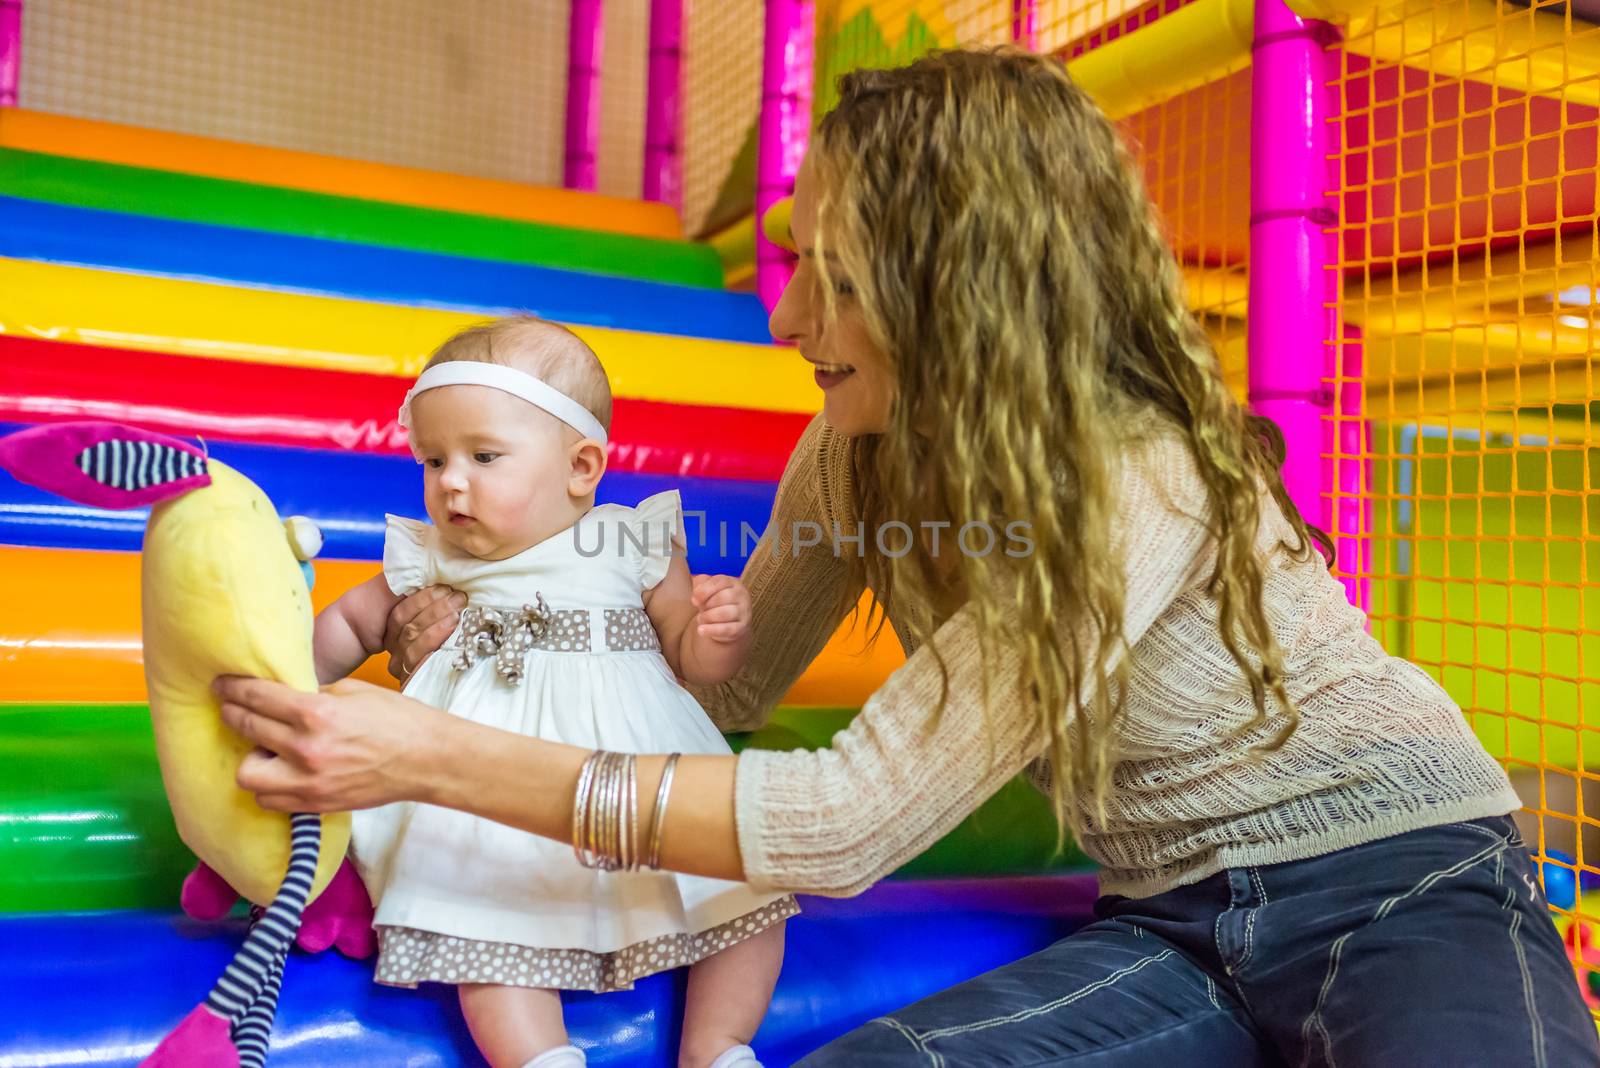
[[1560, 879]]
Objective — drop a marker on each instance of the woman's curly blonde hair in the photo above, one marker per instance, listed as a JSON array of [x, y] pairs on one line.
[[1000, 245]]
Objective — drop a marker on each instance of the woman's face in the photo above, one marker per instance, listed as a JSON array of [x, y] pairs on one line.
[[854, 375]]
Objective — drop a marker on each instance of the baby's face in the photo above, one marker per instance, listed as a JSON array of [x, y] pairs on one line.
[[495, 469]]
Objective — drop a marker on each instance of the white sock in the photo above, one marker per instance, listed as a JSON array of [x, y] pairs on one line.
[[737, 1057], [560, 1057]]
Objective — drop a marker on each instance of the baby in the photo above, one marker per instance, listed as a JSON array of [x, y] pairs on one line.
[[579, 621]]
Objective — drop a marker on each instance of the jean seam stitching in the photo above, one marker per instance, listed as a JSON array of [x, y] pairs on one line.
[[1530, 998], [1249, 939], [1065, 1058], [1467, 825], [1050, 1006], [1314, 1022], [910, 1036]]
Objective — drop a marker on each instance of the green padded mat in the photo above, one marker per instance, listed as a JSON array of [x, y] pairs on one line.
[[191, 198]]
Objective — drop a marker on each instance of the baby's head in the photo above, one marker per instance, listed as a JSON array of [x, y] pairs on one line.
[[507, 462]]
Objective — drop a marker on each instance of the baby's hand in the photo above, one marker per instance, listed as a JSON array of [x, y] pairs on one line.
[[723, 606]]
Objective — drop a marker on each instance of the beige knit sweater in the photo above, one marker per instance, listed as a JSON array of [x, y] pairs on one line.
[[1380, 748]]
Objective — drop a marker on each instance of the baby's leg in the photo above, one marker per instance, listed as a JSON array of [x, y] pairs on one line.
[[513, 1025], [728, 996]]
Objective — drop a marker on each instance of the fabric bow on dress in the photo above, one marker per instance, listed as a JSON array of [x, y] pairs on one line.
[[505, 634]]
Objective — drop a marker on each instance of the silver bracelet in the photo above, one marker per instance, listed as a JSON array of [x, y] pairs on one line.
[[605, 812], [657, 819], [581, 801], [630, 811]]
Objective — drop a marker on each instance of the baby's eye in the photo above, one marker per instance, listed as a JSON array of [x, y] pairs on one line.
[[485, 457], [434, 462]]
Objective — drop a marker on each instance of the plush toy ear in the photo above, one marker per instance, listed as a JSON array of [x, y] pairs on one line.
[[104, 465]]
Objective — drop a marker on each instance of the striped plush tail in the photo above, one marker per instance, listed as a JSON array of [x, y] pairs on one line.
[[104, 465], [232, 1026]]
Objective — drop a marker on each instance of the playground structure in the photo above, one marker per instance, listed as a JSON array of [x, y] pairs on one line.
[[1386, 217]]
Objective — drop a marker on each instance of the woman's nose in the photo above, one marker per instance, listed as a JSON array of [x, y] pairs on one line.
[[791, 316]]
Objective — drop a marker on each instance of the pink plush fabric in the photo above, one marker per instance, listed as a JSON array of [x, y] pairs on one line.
[[201, 1039], [206, 895], [341, 916], [46, 457]]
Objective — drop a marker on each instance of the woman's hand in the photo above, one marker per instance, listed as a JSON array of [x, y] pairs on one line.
[[418, 625], [350, 746]]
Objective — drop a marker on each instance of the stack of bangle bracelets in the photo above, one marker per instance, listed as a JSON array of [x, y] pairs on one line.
[[605, 813]]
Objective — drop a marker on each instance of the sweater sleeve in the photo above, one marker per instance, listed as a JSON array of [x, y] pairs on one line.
[[798, 592], [836, 820]]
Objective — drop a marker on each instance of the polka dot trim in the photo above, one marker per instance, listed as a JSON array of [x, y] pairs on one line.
[[630, 630], [407, 956], [568, 632]]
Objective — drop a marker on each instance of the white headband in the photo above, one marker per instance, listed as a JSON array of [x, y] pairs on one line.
[[508, 380]]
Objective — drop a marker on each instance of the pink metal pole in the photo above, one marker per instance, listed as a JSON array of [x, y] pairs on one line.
[[1023, 30], [785, 128], [1293, 322], [585, 38], [663, 164], [10, 51]]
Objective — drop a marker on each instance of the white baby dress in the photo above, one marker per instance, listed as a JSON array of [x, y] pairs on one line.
[[465, 900]]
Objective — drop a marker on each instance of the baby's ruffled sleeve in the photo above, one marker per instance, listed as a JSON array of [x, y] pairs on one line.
[[656, 533], [407, 554]]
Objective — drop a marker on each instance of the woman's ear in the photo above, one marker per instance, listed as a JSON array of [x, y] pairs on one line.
[[588, 460]]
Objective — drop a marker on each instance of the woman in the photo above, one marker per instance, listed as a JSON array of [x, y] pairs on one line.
[[1305, 852]]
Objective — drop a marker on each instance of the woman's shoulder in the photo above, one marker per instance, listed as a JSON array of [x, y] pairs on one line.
[[1157, 468]]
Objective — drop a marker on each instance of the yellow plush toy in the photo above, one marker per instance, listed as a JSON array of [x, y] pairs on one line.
[[225, 592]]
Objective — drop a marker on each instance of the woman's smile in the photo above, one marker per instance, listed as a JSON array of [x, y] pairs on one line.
[[829, 375]]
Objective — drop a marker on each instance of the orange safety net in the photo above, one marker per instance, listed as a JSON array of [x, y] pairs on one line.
[[1469, 259]]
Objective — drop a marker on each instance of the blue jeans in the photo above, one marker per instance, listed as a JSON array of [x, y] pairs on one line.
[[1426, 949]]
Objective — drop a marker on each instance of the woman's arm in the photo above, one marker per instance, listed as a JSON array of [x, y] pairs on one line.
[[831, 822], [836, 820], [797, 597], [358, 746]]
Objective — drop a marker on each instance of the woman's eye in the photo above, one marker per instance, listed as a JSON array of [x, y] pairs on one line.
[[844, 289], [485, 457]]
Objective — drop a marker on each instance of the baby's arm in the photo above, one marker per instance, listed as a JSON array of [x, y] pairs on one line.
[[351, 629], [704, 626]]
